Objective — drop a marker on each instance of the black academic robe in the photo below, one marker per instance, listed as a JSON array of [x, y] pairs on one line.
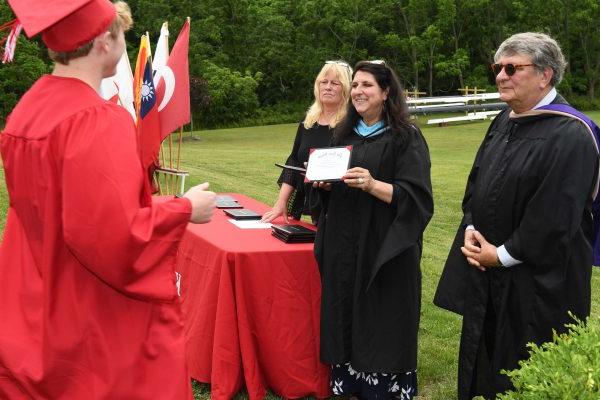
[[300, 201], [369, 254], [531, 189]]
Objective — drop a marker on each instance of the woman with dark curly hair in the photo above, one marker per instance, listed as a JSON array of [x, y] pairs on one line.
[[369, 243]]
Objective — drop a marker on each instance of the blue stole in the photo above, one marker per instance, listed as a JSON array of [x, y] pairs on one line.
[[366, 131]]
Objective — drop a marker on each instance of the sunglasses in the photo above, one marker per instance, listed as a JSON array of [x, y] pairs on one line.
[[340, 63], [509, 69], [379, 62]]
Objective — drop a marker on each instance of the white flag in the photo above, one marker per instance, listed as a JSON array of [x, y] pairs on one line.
[[119, 87], [161, 52]]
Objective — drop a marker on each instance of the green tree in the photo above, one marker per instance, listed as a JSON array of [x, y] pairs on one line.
[[432, 41], [413, 17], [29, 64], [281, 45], [232, 95], [585, 32]]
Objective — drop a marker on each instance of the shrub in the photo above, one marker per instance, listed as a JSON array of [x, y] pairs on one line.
[[566, 368], [481, 77], [199, 96], [583, 103], [17, 77], [281, 113], [232, 95]]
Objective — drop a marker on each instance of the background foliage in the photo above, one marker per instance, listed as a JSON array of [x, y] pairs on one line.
[[253, 55], [566, 368]]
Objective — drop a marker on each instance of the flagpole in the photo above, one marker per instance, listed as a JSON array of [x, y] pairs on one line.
[[171, 156], [179, 147], [191, 126], [162, 156], [170, 151], [156, 178], [149, 48]]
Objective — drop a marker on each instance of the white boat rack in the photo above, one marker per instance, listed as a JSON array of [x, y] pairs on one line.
[[476, 116]]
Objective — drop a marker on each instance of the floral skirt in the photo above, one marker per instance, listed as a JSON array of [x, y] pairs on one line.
[[372, 385]]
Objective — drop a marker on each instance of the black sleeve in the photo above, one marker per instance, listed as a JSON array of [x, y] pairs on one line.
[[412, 182], [412, 198], [291, 177], [553, 215]]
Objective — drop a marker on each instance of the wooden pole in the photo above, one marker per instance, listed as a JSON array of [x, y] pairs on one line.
[[179, 158], [157, 179], [171, 179], [162, 154], [170, 151], [179, 147]]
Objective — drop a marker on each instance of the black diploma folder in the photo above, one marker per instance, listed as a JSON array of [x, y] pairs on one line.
[[292, 168], [293, 233], [242, 213], [224, 197], [228, 204]]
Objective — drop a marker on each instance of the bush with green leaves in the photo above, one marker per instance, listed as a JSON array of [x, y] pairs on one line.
[[232, 95], [17, 77], [566, 368], [583, 103]]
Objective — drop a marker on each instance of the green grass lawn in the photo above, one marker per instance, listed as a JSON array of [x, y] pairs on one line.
[[241, 160]]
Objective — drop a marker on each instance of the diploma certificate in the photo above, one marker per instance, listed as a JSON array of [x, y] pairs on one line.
[[328, 164]]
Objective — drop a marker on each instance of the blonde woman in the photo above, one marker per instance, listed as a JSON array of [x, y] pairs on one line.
[[332, 92]]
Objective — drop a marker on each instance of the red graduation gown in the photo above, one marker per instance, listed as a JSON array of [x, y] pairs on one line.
[[88, 298]]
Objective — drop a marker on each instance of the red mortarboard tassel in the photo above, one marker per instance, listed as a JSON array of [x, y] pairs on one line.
[[11, 40]]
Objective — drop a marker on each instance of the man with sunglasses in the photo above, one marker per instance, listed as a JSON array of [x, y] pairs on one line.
[[522, 257]]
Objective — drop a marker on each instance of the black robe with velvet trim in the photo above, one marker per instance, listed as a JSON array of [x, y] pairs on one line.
[[369, 256], [530, 189]]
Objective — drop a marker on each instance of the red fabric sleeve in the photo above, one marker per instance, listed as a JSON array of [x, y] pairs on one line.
[[130, 247]]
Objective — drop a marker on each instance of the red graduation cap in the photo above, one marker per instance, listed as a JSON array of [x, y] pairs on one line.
[[65, 24]]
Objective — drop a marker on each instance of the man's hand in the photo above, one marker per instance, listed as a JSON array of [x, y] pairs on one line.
[[203, 203], [471, 243], [479, 252]]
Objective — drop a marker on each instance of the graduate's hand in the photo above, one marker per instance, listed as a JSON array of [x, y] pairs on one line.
[[279, 208], [359, 178], [203, 203]]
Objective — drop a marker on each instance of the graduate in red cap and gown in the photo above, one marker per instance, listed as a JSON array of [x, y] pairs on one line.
[[89, 306]]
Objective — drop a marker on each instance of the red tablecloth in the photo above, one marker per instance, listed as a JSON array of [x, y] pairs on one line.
[[251, 310]]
